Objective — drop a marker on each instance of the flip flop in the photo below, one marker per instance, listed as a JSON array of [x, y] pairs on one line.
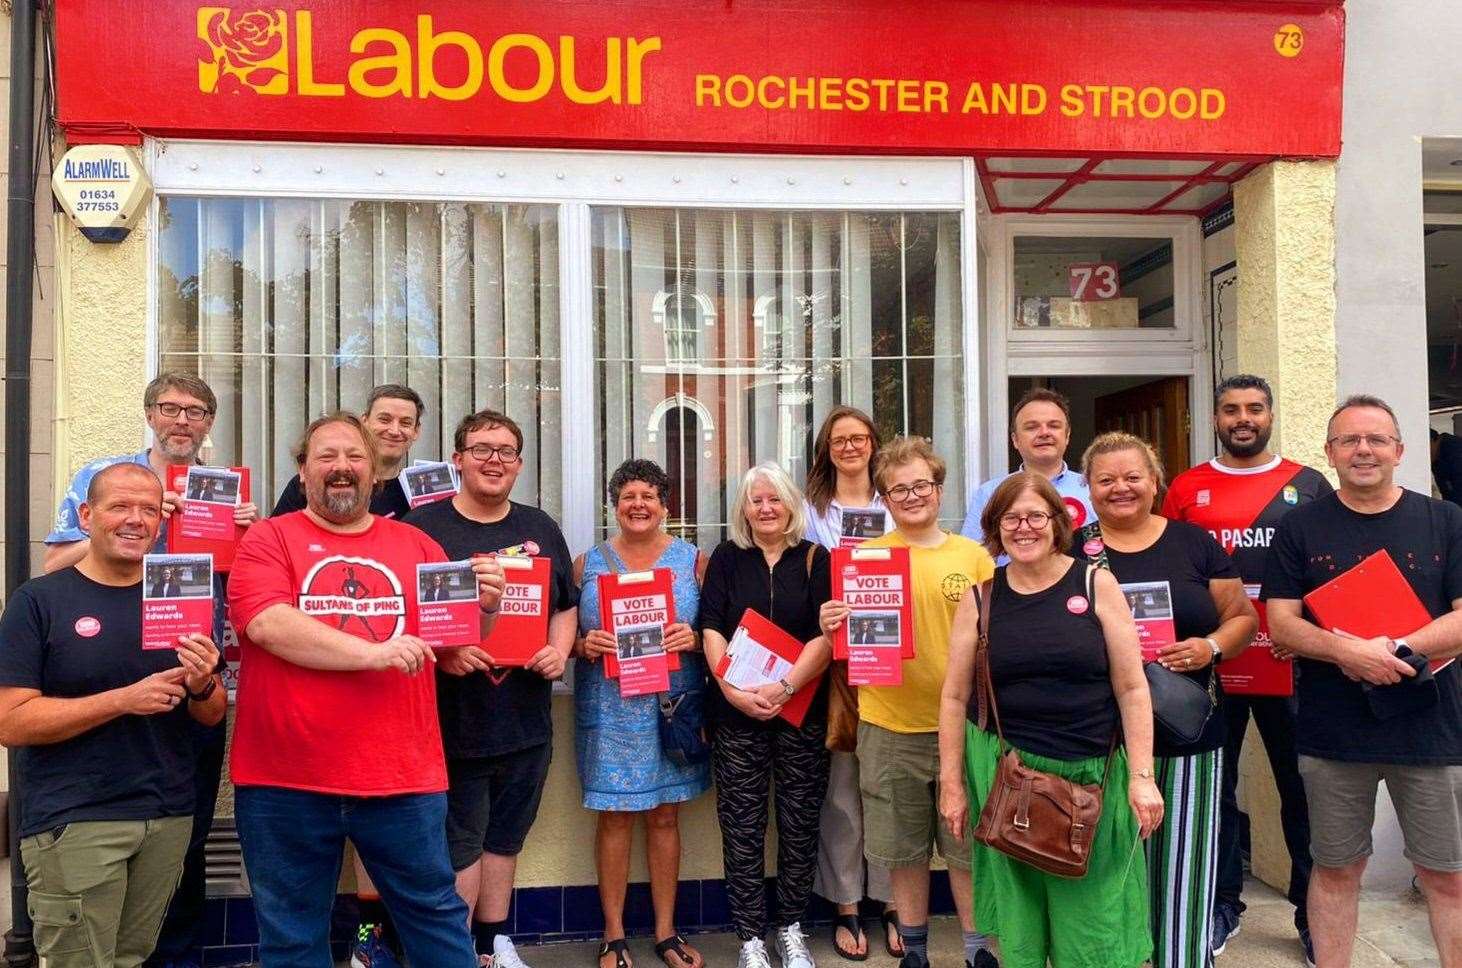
[[620, 947], [682, 951], [849, 923], [890, 919]]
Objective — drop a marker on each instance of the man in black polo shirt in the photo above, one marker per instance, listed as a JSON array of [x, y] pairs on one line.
[[496, 725], [102, 733], [1362, 718]]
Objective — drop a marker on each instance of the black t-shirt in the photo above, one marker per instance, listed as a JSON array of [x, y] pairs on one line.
[[1048, 662], [387, 501], [1187, 558], [488, 714], [1322, 540], [70, 637], [737, 579]]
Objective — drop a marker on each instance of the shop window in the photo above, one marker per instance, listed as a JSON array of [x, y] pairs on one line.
[[1095, 283], [293, 308], [808, 310]]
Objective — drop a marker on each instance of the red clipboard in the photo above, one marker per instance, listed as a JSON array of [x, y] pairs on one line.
[[222, 549], [521, 629], [772, 638], [1369, 600], [874, 580], [657, 583]]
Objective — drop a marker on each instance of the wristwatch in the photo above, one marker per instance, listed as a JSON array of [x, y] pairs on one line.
[[789, 687], [1401, 648], [1217, 651], [1146, 774], [207, 690]]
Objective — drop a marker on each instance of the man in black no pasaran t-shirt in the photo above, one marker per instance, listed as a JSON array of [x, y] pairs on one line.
[[496, 726], [1348, 738]]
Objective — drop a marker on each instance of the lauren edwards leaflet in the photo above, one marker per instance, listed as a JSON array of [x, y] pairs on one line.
[[522, 622], [447, 610], [860, 524], [1255, 671], [876, 638], [1152, 607], [636, 607], [177, 598], [428, 482], [205, 523]]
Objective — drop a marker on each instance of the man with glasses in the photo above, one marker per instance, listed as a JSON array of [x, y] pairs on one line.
[[1366, 714], [179, 409], [496, 724], [1040, 430], [393, 419], [1240, 497], [898, 731]]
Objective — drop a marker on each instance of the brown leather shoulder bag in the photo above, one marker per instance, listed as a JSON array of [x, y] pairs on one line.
[[1037, 818]]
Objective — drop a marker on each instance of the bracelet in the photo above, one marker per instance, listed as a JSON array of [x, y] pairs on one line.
[[207, 690], [1146, 774], [488, 611]]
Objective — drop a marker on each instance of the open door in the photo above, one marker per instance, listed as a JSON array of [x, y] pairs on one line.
[[1158, 413]]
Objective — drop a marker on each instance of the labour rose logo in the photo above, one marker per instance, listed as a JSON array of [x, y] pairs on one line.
[[245, 52], [355, 595]]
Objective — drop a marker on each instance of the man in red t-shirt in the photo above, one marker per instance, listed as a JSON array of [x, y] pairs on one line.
[[337, 732]]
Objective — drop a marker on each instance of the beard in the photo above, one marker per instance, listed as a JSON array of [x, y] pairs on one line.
[[1252, 449], [180, 453], [339, 508]]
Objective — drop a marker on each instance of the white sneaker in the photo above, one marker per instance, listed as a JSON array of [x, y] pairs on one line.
[[504, 954], [792, 947], [753, 955]]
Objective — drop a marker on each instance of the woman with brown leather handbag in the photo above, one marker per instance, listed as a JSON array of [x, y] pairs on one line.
[[1062, 665]]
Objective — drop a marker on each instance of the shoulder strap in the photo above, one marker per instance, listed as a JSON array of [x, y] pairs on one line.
[[811, 552], [607, 555], [1093, 532], [985, 704]]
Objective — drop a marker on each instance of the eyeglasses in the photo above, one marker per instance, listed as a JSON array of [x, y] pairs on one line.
[[851, 440], [171, 411], [1036, 519], [485, 452], [901, 492], [1373, 441]]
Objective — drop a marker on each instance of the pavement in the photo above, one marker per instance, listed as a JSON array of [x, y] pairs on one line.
[[1393, 934]]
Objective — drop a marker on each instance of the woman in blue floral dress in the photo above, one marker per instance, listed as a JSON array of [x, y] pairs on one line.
[[624, 772]]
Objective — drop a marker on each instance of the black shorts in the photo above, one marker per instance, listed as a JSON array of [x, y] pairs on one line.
[[492, 802]]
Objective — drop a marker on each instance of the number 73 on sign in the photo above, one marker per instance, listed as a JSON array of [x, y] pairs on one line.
[[1093, 281]]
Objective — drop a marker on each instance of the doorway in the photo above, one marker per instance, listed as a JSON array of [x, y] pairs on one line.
[[1155, 408]]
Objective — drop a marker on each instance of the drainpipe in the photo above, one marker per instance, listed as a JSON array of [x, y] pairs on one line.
[[20, 262]]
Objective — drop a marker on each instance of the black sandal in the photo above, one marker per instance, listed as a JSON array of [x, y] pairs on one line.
[[620, 947], [676, 944], [850, 924], [890, 919]]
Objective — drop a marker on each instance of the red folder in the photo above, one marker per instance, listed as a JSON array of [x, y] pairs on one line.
[[222, 549], [1255, 671], [522, 622], [1369, 600], [874, 580], [772, 638], [624, 588]]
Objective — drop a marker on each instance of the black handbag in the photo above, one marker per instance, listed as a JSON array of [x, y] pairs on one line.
[[1180, 706], [682, 714]]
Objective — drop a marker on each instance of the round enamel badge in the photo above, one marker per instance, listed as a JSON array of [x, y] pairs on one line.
[[1077, 604], [88, 626], [1093, 547]]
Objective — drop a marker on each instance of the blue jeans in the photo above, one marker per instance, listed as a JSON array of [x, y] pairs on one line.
[[292, 842]]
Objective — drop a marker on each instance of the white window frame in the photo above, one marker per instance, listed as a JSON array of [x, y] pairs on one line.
[[576, 181], [1180, 351]]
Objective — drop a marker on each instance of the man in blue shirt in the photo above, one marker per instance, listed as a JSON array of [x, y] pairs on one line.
[[180, 409], [1040, 429]]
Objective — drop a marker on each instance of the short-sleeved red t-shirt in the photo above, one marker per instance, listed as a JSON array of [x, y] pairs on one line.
[[350, 733]]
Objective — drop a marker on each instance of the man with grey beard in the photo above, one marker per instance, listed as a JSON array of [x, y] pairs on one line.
[[179, 409]]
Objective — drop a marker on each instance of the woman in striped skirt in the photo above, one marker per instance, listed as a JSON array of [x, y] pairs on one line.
[[1190, 607]]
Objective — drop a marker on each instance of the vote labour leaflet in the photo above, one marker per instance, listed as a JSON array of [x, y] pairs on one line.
[[1152, 607], [636, 607], [447, 609], [522, 622], [878, 634], [205, 523], [177, 598], [1255, 671], [860, 524], [429, 481], [760, 653]]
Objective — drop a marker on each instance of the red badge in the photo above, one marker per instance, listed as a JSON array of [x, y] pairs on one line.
[[1075, 510], [88, 626], [1093, 547], [1077, 604]]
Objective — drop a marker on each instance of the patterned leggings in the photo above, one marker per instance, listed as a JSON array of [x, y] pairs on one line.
[[1182, 860], [747, 761]]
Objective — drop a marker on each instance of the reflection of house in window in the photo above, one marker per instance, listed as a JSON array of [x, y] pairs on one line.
[[771, 326], [678, 428], [682, 314]]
